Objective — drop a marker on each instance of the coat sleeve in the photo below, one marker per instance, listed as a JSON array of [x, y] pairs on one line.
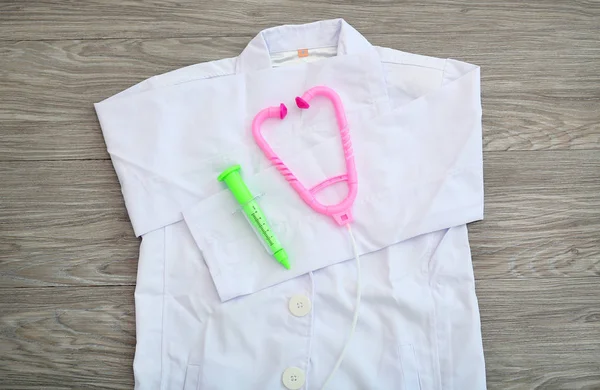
[[155, 132]]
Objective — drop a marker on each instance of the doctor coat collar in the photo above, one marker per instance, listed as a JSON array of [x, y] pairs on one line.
[[335, 32]]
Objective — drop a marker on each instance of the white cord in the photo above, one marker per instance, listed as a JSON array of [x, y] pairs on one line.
[[356, 306]]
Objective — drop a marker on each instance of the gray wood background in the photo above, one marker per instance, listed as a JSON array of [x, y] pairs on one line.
[[68, 255]]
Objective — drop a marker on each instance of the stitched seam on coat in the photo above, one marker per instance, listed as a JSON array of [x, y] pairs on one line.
[[415, 65], [436, 336], [312, 326], [444, 73], [162, 319], [207, 77]]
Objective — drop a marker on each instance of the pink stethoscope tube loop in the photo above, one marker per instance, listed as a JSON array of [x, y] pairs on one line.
[[341, 212]]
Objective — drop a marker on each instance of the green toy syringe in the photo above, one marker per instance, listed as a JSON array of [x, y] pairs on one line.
[[231, 176]]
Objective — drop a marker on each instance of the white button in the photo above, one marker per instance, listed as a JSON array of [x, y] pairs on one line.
[[293, 378], [300, 305]]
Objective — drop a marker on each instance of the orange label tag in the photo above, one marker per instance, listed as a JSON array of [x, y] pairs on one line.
[[302, 53]]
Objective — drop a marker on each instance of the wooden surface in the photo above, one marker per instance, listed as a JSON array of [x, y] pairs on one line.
[[68, 256]]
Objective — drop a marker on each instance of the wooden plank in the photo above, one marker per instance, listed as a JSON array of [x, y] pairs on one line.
[[65, 338], [48, 88], [64, 223], [542, 216], [536, 335], [541, 333], [56, 19], [33, 140]]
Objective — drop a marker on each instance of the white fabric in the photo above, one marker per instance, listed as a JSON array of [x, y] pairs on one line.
[[212, 307]]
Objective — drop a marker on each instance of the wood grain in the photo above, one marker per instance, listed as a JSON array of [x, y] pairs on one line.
[[68, 256], [57, 19], [66, 224], [47, 92], [541, 333], [542, 216], [65, 338]]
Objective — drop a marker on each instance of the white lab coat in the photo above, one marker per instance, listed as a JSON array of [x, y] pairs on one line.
[[213, 309]]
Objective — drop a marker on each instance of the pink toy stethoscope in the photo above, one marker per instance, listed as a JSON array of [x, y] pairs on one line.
[[341, 212]]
